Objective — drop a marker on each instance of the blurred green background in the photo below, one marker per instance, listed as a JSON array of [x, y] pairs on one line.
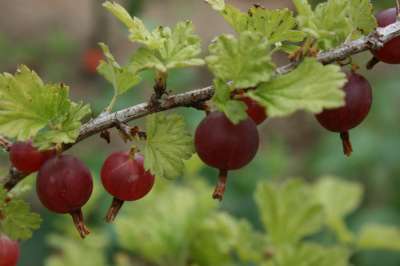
[[55, 38]]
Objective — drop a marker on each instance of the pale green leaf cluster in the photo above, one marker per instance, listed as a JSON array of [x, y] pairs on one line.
[[308, 254], [165, 234], [276, 26], [339, 198], [335, 21], [179, 47], [311, 87], [17, 221], [289, 211], [168, 145], [379, 237], [30, 109], [163, 48], [74, 251], [244, 61], [121, 78]]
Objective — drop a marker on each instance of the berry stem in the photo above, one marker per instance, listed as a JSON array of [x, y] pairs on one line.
[[347, 148], [398, 9], [371, 63], [77, 217], [221, 185], [114, 209]]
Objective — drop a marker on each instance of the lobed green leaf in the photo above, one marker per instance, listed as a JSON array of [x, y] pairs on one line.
[[31, 109], [288, 211], [16, 219], [311, 87], [244, 60], [168, 145], [122, 78]]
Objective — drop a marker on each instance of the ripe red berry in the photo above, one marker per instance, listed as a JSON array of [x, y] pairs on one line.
[[9, 251], [26, 158], [254, 110], [358, 102], [91, 60], [390, 53], [123, 176], [226, 146], [64, 184]]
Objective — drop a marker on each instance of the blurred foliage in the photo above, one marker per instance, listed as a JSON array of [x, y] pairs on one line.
[[374, 165], [180, 225]]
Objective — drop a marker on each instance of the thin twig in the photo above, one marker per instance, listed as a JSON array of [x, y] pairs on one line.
[[192, 98], [5, 143]]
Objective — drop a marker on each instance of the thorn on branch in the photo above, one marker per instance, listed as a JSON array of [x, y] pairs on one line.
[[160, 88], [127, 133], [105, 134]]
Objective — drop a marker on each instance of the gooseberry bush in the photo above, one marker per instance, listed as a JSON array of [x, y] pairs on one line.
[[39, 123]]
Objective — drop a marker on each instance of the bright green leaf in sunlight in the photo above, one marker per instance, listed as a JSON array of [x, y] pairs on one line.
[[122, 78], [75, 252], [288, 211], [379, 237], [31, 109], [244, 60], [311, 255], [166, 224], [18, 222], [168, 145], [311, 87], [218, 5], [180, 48], [233, 109], [335, 21], [339, 198]]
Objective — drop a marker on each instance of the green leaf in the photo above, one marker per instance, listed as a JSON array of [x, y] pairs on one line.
[[18, 221], [311, 87], [180, 48], [361, 13], [339, 198], [236, 18], [137, 29], [168, 144], [288, 211], [216, 238], [233, 109], [73, 250], [121, 78], [29, 108], [164, 235], [312, 255], [218, 5], [276, 25], [244, 61], [335, 21], [379, 237]]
